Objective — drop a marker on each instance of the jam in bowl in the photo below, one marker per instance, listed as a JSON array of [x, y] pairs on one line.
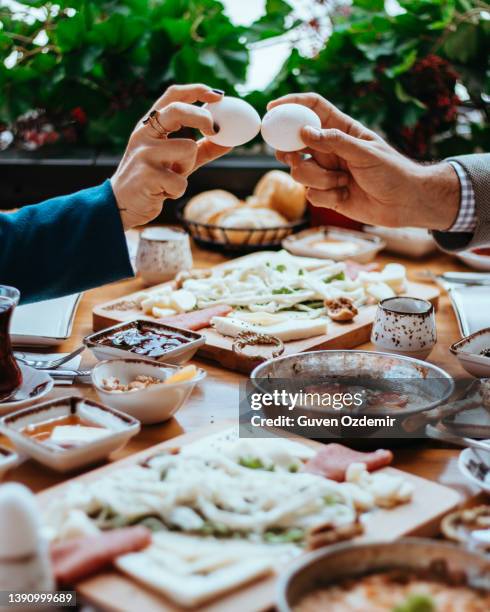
[[10, 374]]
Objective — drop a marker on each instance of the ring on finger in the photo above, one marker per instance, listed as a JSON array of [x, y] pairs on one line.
[[154, 122]]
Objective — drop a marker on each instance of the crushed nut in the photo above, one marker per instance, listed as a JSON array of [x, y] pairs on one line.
[[341, 309], [140, 382]]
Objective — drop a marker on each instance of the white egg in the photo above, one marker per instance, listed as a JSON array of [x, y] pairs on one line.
[[238, 121], [19, 521], [24, 553], [281, 126]]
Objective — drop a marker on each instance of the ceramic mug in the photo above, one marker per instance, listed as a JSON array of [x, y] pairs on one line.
[[406, 326], [162, 253]]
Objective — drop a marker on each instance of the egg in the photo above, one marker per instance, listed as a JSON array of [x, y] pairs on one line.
[[281, 126], [238, 121], [24, 554]]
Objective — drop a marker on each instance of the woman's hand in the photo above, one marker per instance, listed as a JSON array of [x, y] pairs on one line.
[[155, 168], [355, 172]]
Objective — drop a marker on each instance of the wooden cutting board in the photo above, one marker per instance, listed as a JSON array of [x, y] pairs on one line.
[[219, 348], [114, 591]]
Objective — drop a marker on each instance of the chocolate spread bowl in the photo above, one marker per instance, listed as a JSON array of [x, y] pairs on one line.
[[350, 561], [147, 340], [423, 384]]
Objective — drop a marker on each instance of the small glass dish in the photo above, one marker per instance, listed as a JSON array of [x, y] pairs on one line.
[[31, 430]]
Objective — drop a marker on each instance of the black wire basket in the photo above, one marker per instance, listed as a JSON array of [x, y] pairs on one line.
[[242, 240]]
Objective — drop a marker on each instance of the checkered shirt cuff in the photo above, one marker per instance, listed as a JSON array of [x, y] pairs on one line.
[[466, 219]]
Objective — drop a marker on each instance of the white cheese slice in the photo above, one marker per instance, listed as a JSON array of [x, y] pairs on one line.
[[162, 312], [182, 300], [77, 434], [285, 331]]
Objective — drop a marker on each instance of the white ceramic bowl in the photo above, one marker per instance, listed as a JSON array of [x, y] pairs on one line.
[[153, 404], [463, 464], [474, 260], [177, 355], [467, 351], [121, 427]]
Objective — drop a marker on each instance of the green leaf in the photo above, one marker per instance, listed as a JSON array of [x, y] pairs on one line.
[[178, 30], [370, 5], [403, 96], [118, 31], [70, 33], [462, 45], [405, 65], [362, 73]]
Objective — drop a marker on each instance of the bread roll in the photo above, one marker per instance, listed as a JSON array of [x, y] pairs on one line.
[[205, 206], [245, 217], [279, 191]]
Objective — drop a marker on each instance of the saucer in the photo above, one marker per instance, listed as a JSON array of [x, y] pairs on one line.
[[35, 385]]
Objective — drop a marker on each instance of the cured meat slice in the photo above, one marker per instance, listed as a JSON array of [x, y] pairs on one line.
[[352, 268], [333, 460], [79, 558], [197, 319]]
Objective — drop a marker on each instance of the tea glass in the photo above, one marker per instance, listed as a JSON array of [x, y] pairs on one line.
[[10, 373]]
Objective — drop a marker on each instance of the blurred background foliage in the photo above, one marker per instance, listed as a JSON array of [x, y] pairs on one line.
[[83, 72]]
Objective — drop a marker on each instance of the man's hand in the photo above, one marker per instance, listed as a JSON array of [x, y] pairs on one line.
[[355, 172], [154, 168]]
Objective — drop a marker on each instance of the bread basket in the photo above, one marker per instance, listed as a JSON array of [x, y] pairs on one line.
[[223, 239]]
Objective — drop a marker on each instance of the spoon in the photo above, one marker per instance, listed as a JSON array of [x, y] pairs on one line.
[[445, 436]]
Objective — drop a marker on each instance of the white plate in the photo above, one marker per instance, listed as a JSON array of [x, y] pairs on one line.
[[35, 385], [45, 323], [477, 262], [364, 247], [410, 241], [463, 460], [470, 303]]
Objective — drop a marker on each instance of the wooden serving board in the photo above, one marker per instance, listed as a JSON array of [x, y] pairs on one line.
[[117, 592], [219, 348]]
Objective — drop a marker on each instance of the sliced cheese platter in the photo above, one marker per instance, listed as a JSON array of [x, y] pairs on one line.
[[299, 300], [397, 504]]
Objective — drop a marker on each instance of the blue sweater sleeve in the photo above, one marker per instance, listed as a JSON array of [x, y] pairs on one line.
[[64, 245]]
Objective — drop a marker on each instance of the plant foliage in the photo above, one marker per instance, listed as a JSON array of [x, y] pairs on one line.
[[85, 71]]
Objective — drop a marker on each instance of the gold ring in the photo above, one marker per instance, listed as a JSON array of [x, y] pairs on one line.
[[154, 122]]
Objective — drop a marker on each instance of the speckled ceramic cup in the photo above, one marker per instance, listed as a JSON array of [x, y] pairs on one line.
[[163, 251], [405, 326]]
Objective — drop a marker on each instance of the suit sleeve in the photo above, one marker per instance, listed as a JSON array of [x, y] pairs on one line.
[[64, 245], [477, 166]]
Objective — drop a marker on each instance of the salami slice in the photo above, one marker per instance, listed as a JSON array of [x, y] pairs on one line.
[[333, 460], [197, 319], [79, 558]]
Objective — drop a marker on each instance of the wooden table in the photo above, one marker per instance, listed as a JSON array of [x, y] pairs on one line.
[[217, 398]]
